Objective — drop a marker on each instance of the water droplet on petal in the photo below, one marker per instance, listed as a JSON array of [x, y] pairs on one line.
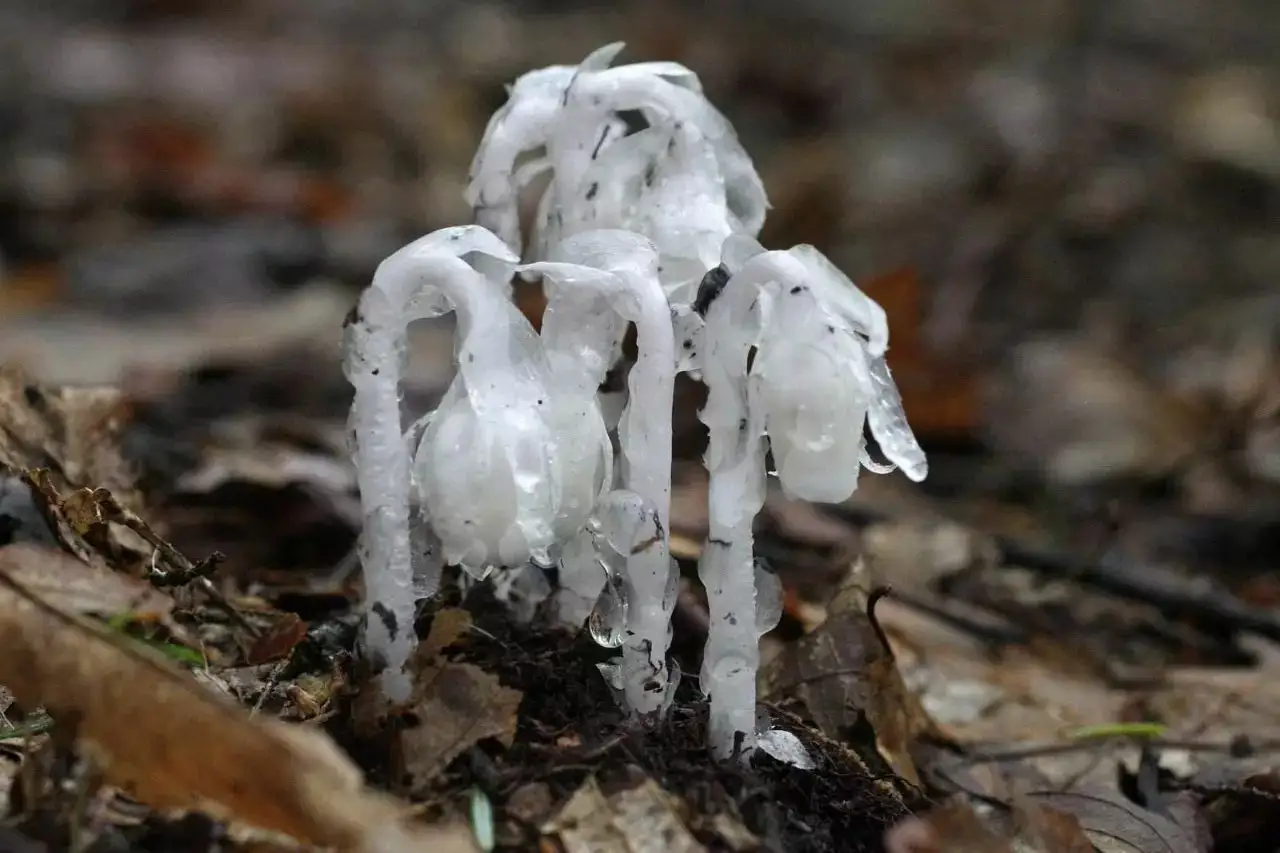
[[783, 746], [673, 682], [607, 623], [611, 672], [768, 597], [888, 422]]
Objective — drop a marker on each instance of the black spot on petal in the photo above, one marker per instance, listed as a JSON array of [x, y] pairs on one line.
[[387, 618], [710, 288]]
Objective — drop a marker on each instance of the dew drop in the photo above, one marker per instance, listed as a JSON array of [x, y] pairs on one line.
[[611, 672], [673, 682], [768, 598], [783, 746], [607, 623]]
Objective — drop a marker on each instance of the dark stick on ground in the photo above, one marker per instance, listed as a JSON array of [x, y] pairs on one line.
[[1175, 595]]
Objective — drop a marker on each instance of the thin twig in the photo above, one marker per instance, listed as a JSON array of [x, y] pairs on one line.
[[872, 599], [182, 576], [1149, 584]]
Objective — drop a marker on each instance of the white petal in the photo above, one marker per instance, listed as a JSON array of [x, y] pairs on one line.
[[782, 745], [835, 288], [889, 424], [808, 378]]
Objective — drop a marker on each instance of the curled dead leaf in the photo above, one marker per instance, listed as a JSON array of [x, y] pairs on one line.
[[1113, 822], [277, 641], [169, 743], [635, 819], [843, 670], [73, 586], [455, 704], [72, 431]]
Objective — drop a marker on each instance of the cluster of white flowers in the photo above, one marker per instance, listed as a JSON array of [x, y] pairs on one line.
[[648, 216]]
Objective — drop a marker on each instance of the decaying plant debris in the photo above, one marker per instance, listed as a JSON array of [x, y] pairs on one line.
[[942, 701], [1078, 649]]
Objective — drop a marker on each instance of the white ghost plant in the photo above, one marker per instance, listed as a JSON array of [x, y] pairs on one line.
[[617, 271], [508, 464], [817, 377], [683, 181], [648, 217]]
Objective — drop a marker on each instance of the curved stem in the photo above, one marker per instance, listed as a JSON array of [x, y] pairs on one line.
[[736, 464], [727, 567], [423, 279], [623, 269], [645, 437]]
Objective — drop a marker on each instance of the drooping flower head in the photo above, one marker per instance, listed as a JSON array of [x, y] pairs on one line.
[[513, 459], [819, 373], [507, 466], [817, 378], [410, 284], [635, 147], [617, 271]]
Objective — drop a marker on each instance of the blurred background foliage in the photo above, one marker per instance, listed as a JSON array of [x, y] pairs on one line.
[[1069, 208]]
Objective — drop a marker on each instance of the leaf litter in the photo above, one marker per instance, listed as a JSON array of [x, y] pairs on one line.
[[135, 716], [1009, 658], [927, 695], [454, 704]]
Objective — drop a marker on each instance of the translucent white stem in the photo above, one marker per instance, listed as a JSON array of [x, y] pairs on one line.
[[382, 473], [727, 568], [623, 267], [401, 291], [645, 437]]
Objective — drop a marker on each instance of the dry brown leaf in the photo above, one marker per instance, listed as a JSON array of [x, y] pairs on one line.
[[1109, 819], [956, 828], [277, 641], [74, 432], [939, 392], [171, 744], [456, 704], [636, 820], [73, 586], [842, 670], [448, 626], [1050, 830]]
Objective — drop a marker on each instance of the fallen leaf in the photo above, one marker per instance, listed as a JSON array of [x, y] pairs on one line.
[[842, 671], [1107, 817], [72, 431], [1049, 830], [962, 831], [643, 819], [955, 827], [1243, 813], [167, 742], [448, 626], [277, 641], [64, 347], [455, 704], [73, 586]]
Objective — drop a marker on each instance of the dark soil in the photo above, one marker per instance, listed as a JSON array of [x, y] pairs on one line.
[[570, 728]]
